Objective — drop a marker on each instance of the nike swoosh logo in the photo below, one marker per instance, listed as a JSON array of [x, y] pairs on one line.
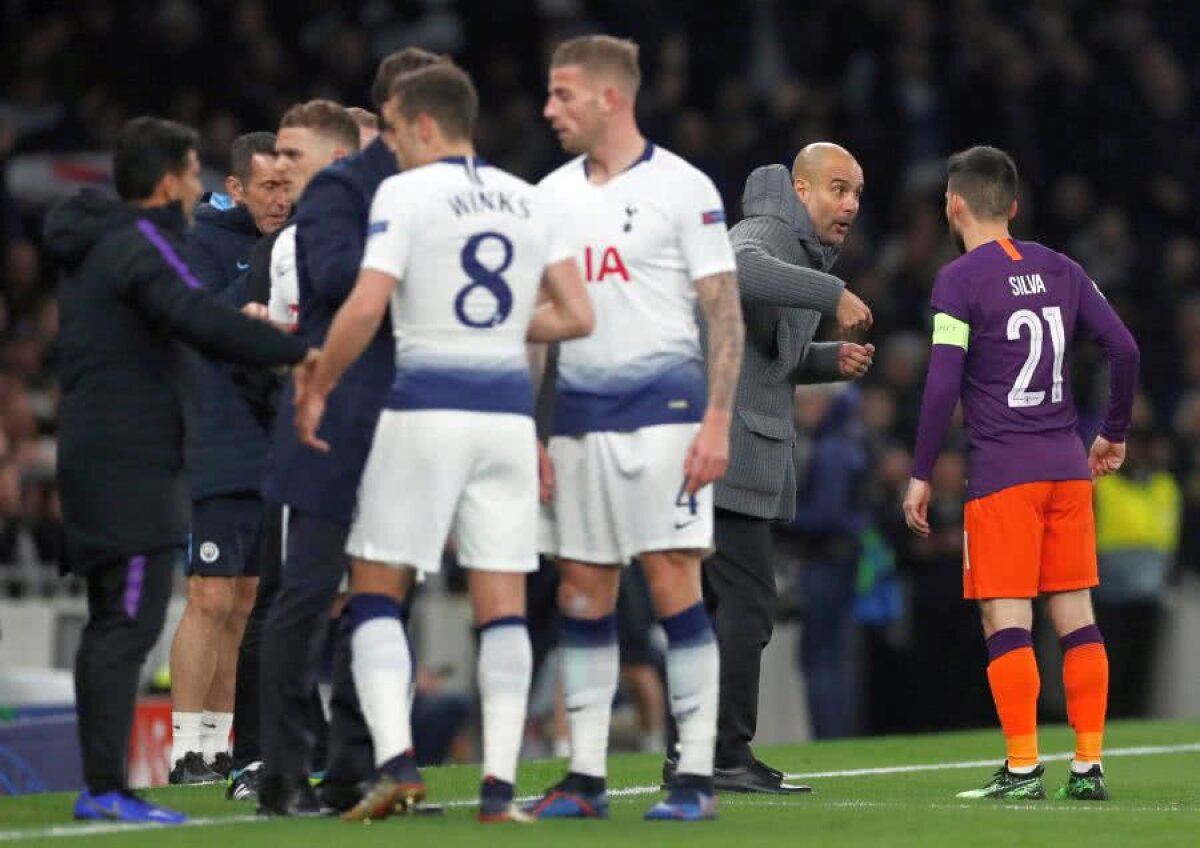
[[242, 266], [679, 526]]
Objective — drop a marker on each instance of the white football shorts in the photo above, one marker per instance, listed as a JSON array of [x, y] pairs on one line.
[[619, 494], [436, 473]]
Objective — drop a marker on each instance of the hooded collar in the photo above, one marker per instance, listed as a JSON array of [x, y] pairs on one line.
[[74, 227], [236, 219], [168, 217], [769, 193]]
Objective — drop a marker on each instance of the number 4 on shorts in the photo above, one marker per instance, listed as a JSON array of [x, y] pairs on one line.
[[686, 501]]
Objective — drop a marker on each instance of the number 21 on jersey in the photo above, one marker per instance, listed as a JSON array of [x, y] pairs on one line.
[[1019, 395]]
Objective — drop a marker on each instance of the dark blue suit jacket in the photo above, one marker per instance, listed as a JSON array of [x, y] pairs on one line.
[[331, 231]]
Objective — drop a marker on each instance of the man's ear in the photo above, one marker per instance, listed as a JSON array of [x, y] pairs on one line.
[[802, 188], [1012, 210], [426, 128], [610, 97], [233, 187], [169, 187]]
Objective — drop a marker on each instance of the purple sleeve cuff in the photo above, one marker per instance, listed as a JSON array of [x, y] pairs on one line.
[[942, 386]]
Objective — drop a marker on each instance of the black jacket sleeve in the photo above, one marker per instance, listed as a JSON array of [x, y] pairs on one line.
[[160, 287], [329, 225]]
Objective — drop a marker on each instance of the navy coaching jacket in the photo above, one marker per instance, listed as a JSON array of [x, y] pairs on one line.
[[228, 446], [331, 232], [130, 309]]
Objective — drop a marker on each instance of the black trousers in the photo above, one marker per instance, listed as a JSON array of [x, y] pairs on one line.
[[292, 644], [127, 604], [740, 593], [247, 743]]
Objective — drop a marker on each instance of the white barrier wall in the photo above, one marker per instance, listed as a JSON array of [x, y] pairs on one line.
[[42, 634]]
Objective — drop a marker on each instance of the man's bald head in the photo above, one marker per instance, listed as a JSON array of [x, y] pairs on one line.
[[829, 182], [813, 157]]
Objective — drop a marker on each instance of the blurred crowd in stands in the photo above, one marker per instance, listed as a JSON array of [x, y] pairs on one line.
[[1096, 101]]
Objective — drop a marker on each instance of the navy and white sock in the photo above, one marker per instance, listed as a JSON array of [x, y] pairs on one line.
[[505, 670], [382, 666], [590, 668], [693, 686]]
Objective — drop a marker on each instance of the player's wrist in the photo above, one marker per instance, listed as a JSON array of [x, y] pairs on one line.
[[1112, 437], [717, 416]]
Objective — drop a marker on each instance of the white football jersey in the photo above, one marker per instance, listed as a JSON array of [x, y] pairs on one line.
[[468, 243], [284, 304], [642, 240]]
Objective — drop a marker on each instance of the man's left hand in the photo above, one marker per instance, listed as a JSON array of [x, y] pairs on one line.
[[854, 360], [708, 455], [310, 406], [916, 507]]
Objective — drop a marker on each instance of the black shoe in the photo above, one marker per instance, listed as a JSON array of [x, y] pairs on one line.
[[341, 795], [756, 777], [243, 783], [191, 770], [287, 796], [222, 764]]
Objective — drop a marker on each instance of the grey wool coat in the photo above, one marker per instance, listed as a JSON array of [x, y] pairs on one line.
[[785, 290]]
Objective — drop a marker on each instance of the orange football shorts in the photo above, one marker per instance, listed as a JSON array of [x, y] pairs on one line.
[[1029, 539]]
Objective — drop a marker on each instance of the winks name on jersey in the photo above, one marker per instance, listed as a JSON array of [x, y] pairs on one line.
[[485, 200]]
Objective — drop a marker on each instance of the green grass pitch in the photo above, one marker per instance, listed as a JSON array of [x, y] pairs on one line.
[[1153, 773]]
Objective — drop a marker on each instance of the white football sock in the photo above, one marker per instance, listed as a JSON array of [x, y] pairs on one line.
[[214, 734], [382, 668], [185, 735], [591, 666], [693, 686], [1084, 766], [504, 673]]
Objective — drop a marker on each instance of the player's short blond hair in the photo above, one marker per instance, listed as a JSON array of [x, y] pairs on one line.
[[364, 119], [602, 54], [328, 119]]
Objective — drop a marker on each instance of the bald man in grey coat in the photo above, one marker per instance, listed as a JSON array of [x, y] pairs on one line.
[[789, 239]]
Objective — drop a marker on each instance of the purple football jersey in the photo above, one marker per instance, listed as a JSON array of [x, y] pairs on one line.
[[1023, 303]]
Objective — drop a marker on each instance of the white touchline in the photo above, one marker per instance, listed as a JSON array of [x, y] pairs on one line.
[[1142, 751], [760, 801], [101, 828]]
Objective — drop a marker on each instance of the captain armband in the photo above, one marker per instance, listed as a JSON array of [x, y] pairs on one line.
[[948, 330]]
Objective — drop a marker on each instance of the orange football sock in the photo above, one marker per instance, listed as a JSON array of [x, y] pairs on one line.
[[1085, 680], [1013, 675]]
